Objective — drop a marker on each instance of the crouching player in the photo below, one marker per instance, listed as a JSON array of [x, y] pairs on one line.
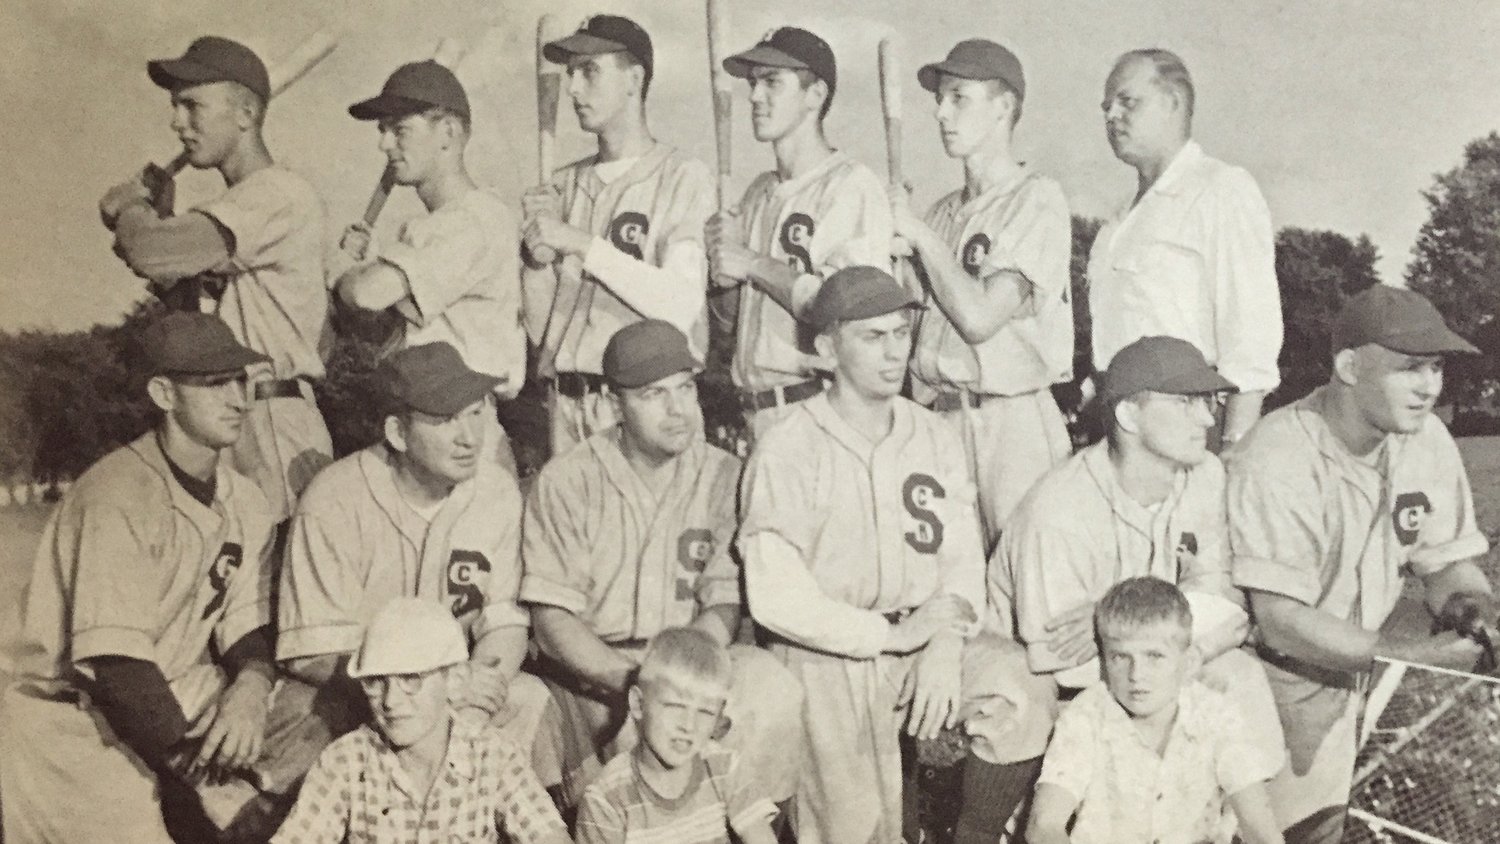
[[678, 784], [1152, 755], [415, 773]]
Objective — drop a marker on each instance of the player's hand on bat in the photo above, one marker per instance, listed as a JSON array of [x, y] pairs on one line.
[[729, 261], [541, 201], [908, 226], [1447, 649], [357, 241], [550, 232], [118, 197], [934, 686], [234, 739], [1072, 635]]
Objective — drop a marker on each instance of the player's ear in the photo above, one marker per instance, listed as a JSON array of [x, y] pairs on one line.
[[1346, 366], [395, 432], [1127, 415], [823, 345], [633, 698], [161, 392]]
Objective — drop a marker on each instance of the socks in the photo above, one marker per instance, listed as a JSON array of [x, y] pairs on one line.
[[991, 794]]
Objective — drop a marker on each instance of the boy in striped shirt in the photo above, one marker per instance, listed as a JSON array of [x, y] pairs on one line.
[[678, 784]]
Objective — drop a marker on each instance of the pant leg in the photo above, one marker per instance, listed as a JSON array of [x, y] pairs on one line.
[[1319, 722], [765, 706], [1018, 439], [282, 445]]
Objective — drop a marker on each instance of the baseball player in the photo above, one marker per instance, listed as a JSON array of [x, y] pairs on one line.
[[254, 256], [626, 225], [146, 646], [1148, 501], [862, 558], [453, 275], [420, 514], [629, 534], [1332, 501], [994, 258], [817, 212], [1192, 255]]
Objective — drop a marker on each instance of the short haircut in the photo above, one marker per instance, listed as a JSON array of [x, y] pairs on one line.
[[1138, 602], [1171, 74], [1000, 86], [437, 113], [246, 98], [628, 59], [684, 656], [807, 78]]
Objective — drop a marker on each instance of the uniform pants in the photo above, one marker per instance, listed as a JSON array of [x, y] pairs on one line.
[[1320, 720], [850, 792], [762, 713], [283, 443], [1010, 442]]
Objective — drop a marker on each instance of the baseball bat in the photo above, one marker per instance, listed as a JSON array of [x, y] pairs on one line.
[[890, 106], [293, 66], [548, 94], [718, 43]]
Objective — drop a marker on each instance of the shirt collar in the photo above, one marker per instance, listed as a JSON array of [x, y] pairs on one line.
[[1132, 512], [1184, 161]]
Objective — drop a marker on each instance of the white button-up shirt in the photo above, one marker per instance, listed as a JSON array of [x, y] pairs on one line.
[[1193, 259]]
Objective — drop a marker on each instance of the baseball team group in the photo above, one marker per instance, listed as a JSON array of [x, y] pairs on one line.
[[1164, 637]]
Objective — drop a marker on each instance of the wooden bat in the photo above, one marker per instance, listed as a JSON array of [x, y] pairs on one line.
[[289, 69], [548, 95], [890, 106], [718, 44]]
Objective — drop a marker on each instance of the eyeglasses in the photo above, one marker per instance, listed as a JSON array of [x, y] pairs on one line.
[[407, 684], [1205, 401]]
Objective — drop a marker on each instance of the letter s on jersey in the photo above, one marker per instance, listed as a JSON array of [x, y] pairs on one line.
[[465, 571], [917, 494]]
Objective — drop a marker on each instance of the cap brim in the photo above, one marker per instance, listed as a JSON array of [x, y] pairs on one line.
[[563, 50], [657, 370], [929, 75], [1437, 341], [224, 360], [880, 304], [358, 669], [175, 73], [386, 105], [455, 393], [1196, 383], [740, 65]]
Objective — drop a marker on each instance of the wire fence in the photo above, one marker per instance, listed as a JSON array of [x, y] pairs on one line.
[[1429, 767]]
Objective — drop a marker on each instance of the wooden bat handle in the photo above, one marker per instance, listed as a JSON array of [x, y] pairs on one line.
[[890, 106], [378, 196], [548, 96]]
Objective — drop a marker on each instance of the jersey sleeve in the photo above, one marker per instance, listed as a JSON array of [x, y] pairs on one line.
[[599, 820], [1073, 754], [1449, 533], [1037, 241], [719, 583], [555, 545], [247, 603], [321, 813], [1275, 531], [502, 593], [321, 587], [443, 257], [114, 588], [1051, 568], [259, 213], [1242, 264], [859, 227]]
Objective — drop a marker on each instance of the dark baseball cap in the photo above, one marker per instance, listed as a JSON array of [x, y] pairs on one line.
[[212, 59], [1161, 365], [788, 47], [413, 89], [976, 58], [603, 34], [855, 293], [191, 343], [1399, 319], [645, 352], [432, 378]]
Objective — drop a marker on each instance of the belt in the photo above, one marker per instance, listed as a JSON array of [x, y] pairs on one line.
[[778, 396], [280, 388], [897, 616], [576, 385], [955, 400]]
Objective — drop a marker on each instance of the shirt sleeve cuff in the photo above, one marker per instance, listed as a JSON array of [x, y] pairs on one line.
[[317, 641], [718, 592], [1276, 577], [113, 641], [1432, 560], [1079, 676], [233, 626], [496, 616], [535, 590]]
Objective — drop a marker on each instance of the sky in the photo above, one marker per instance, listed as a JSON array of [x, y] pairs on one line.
[[1342, 111]]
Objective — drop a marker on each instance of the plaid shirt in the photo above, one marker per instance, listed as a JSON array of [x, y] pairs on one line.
[[358, 792]]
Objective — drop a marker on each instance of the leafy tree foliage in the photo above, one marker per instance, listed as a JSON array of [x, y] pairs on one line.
[[1316, 270]]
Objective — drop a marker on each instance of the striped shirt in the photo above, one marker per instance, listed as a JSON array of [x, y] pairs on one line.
[[620, 807]]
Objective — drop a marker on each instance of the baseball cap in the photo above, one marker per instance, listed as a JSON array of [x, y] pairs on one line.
[[788, 47], [1161, 365], [646, 351], [1399, 319], [413, 89], [213, 59], [976, 58], [190, 343], [602, 34], [432, 379], [409, 636], [855, 293]]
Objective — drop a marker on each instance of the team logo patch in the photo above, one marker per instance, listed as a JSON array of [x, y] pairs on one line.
[[976, 251], [465, 570], [918, 494], [796, 239], [224, 566], [1408, 514], [628, 233], [1187, 549], [695, 547]]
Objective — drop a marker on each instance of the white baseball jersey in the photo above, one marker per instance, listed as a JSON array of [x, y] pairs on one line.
[[836, 215], [647, 258], [1310, 521], [462, 263], [1021, 226], [355, 544], [597, 542]]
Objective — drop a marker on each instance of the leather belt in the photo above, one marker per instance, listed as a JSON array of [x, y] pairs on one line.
[[946, 402], [279, 388], [576, 385], [778, 396]]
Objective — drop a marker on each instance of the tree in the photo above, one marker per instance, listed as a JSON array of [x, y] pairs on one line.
[[1456, 264], [1316, 271]]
